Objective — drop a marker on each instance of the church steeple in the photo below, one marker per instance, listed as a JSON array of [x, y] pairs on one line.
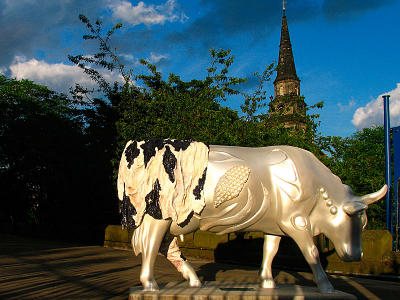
[[286, 68], [287, 108]]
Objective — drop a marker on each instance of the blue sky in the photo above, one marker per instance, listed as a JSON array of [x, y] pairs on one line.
[[346, 51]]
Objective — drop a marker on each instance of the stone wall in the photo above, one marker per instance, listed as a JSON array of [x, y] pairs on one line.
[[246, 249]]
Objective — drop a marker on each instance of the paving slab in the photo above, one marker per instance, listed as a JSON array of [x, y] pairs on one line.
[[32, 268], [214, 290]]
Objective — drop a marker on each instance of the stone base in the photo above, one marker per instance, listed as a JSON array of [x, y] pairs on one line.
[[214, 290]]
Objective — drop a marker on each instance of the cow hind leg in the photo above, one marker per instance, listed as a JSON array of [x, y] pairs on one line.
[[271, 245], [171, 251], [147, 239]]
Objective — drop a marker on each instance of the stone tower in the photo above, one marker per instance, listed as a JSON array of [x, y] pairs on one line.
[[287, 108]]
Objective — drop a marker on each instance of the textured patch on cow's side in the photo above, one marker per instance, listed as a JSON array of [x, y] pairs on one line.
[[179, 144], [152, 201], [200, 186], [131, 152], [149, 149], [231, 184], [127, 211], [189, 217], [169, 162]]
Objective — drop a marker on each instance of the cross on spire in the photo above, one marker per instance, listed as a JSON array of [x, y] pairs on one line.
[[283, 5]]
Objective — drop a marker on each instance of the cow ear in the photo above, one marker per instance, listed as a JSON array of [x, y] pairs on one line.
[[371, 198], [354, 207]]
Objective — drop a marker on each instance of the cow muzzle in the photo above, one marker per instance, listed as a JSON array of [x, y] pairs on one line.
[[350, 253], [352, 257]]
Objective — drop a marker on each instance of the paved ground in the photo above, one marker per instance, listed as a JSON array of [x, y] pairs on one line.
[[41, 269]]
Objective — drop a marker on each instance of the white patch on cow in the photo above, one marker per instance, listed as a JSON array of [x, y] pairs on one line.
[[176, 199]]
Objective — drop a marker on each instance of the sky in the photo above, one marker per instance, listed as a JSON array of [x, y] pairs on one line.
[[346, 51]]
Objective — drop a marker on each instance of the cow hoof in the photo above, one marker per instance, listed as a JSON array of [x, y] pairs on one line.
[[326, 288], [150, 286], [268, 284], [195, 283], [189, 274]]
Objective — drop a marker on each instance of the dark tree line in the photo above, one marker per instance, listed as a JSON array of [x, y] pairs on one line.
[[55, 162], [59, 155]]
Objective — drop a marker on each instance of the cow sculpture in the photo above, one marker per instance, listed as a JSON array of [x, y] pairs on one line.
[[278, 190]]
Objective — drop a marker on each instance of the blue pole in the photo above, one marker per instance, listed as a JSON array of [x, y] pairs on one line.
[[387, 161], [396, 183]]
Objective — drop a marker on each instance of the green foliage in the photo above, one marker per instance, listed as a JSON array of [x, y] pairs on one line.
[[256, 101], [52, 160], [359, 161], [148, 106]]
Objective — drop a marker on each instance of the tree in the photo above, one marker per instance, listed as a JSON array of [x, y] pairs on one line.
[[359, 161], [53, 163], [192, 109], [37, 127]]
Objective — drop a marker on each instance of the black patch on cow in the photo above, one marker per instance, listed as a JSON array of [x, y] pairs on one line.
[[149, 149], [169, 162], [200, 186], [184, 258], [131, 152], [179, 144], [184, 223], [152, 201], [127, 211]]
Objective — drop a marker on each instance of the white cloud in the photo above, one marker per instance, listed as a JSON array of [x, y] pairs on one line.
[[346, 107], [128, 57], [146, 14], [58, 77], [155, 58], [372, 113]]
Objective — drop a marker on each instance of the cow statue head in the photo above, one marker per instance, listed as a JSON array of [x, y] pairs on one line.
[[341, 216]]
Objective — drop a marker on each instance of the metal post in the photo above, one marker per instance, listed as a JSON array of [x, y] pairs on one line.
[[387, 161], [396, 183]]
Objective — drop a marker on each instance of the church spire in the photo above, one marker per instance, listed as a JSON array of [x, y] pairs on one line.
[[286, 67], [287, 108]]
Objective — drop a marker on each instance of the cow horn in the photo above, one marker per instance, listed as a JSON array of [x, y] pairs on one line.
[[353, 207], [371, 198]]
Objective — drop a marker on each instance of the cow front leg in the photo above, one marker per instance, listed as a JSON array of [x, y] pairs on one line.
[[174, 255], [305, 242], [148, 238], [271, 245]]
